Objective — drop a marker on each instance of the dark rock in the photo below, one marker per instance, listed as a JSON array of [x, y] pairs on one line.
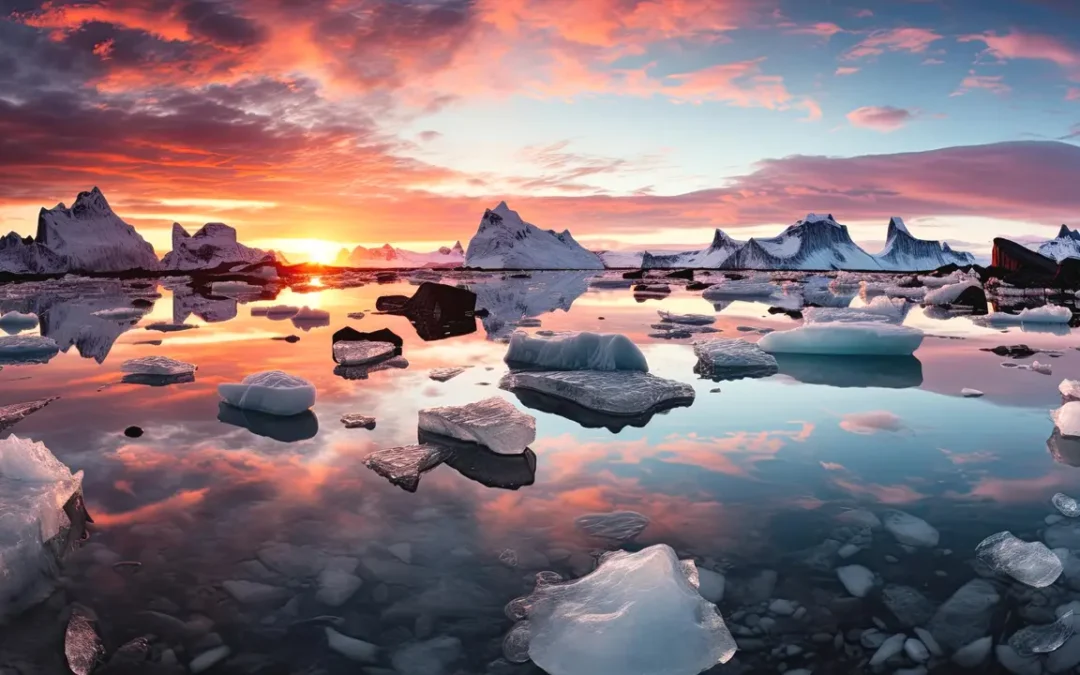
[[349, 334], [793, 313], [636, 274], [133, 432], [698, 285], [973, 297], [1012, 351], [391, 303], [292, 339], [681, 274], [142, 303]]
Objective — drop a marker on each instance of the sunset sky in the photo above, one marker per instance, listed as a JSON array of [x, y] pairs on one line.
[[635, 124]]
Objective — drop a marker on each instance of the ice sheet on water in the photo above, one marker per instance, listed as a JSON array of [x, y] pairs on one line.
[[1030, 563], [1043, 638], [688, 319], [618, 525], [845, 339], [734, 288], [575, 351], [27, 349], [1068, 506], [403, 466], [494, 423], [1070, 390], [946, 295], [1067, 418], [169, 327], [624, 392], [841, 315], [636, 614], [349, 353], [1044, 314], [16, 412], [17, 321], [157, 365], [445, 374], [363, 372], [275, 312], [234, 289], [726, 358], [273, 392]]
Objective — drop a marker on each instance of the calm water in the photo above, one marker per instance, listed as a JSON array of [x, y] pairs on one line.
[[747, 478]]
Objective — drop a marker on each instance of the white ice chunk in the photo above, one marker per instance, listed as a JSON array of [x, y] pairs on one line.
[[1044, 638], [157, 365], [1044, 314], [688, 319], [576, 351], [17, 321], [910, 530], [852, 339], [350, 353], [1044, 368], [273, 391], [747, 288], [120, 313], [234, 289], [1067, 418], [724, 356], [946, 295], [1031, 563], [856, 579], [493, 422], [623, 392], [841, 315], [1066, 505], [336, 586], [1070, 390], [27, 348], [276, 312], [970, 393], [636, 614]]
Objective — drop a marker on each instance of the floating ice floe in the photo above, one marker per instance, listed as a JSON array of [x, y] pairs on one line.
[[747, 288], [1043, 638], [623, 392], [357, 421], [1044, 314], [348, 353], [636, 614], [403, 466], [842, 315], [966, 615], [947, 295], [575, 351], [35, 488], [445, 374], [688, 319], [494, 423], [17, 321], [273, 392], [970, 393], [1068, 506], [120, 313], [27, 349], [1067, 418], [618, 525], [844, 339], [234, 288], [161, 366], [910, 530], [1030, 563], [307, 318], [1070, 390], [916, 294], [724, 358]]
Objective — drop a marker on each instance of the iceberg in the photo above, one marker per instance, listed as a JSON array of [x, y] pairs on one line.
[[275, 312], [348, 353], [1030, 563], [636, 614], [273, 392], [13, 322], [732, 359], [494, 423], [967, 392], [157, 365], [687, 319], [910, 530], [841, 315], [575, 351], [1066, 418], [1044, 314], [27, 349], [213, 246], [617, 393], [947, 295], [844, 339], [1070, 390], [37, 522], [618, 525], [505, 241], [235, 289], [735, 288]]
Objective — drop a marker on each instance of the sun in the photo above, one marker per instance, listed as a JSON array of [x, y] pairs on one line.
[[318, 251]]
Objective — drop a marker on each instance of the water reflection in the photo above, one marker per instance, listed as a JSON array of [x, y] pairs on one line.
[[287, 429], [840, 371]]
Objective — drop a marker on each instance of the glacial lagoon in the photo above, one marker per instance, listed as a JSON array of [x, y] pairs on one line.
[[214, 530]]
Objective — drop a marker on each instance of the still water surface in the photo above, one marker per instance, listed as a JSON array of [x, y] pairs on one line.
[[744, 479]]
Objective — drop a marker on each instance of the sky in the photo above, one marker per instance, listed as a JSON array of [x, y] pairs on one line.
[[635, 124]]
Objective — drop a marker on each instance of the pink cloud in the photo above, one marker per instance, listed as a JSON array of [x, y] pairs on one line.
[[1019, 45], [914, 40], [991, 83], [846, 70], [880, 118], [1073, 94], [822, 29]]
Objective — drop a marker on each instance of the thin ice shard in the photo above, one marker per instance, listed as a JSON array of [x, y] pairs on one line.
[[1031, 563], [1043, 638], [1066, 505], [403, 466], [16, 412]]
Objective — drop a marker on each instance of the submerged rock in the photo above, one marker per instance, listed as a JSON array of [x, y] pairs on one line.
[[856, 579], [974, 653], [910, 530], [910, 607], [1068, 506], [612, 620], [1030, 563], [618, 525], [493, 423], [433, 657], [966, 616], [82, 645]]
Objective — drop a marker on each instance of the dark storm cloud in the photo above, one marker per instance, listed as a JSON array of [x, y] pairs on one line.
[[211, 21]]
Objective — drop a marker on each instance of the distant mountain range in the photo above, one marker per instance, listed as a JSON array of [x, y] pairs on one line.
[[1065, 245], [388, 256]]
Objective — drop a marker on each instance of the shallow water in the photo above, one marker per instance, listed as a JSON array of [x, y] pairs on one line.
[[746, 478]]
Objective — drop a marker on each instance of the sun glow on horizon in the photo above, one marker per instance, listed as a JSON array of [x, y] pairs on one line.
[[304, 250]]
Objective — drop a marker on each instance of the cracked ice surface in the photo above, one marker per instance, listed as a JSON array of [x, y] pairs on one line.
[[728, 356], [157, 365], [1031, 563], [688, 319], [623, 392], [349, 353], [1044, 638], [493, 422], [618, 525], [636, 614], [273, 391], [403, 466], [576, 351]]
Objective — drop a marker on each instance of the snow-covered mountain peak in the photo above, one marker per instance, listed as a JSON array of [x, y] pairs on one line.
[[896, 224], [91, 203], [903, 251], [505, 241], [1065, 245], [820, 218]]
